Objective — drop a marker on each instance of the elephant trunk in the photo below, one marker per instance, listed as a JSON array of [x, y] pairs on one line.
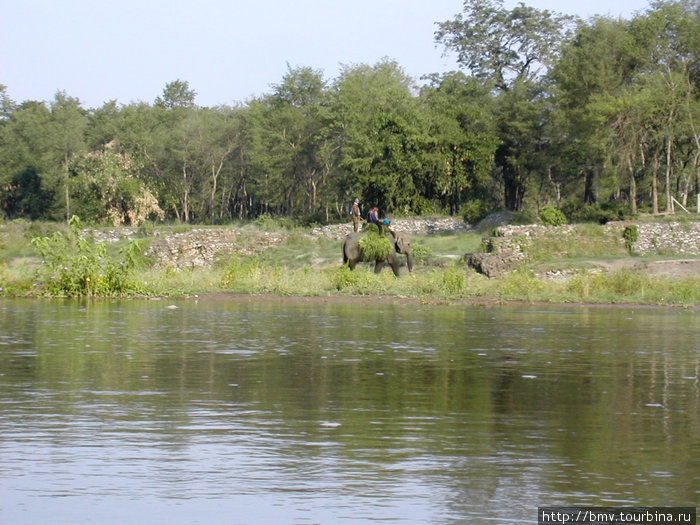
[[409, 261]]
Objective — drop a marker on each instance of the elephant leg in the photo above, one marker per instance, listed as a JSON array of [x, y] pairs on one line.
[[395, 268], [352, 263], [379, 266], [393, 262]]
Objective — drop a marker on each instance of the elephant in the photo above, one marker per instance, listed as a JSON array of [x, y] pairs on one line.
[[401, 244]]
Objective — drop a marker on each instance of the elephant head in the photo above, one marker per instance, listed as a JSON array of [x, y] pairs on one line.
[[352, 254], [402, 244]]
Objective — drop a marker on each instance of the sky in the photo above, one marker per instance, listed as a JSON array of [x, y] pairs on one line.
[[227, 50]]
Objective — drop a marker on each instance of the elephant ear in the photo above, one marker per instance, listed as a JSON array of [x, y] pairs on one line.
[[401, 243]]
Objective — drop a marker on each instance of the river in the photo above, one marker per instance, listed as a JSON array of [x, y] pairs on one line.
[[190, 411]]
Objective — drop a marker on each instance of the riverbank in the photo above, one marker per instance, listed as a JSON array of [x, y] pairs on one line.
[[381, 300], [582, 264]]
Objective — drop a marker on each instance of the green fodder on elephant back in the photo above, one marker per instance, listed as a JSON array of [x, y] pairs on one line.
[[374, 247]]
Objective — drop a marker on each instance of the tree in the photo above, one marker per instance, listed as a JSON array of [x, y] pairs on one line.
[[24, 196], [461, 153], [504, 47], [69, 121], [597, 63], [379, 130], [509, 50], [292, 127], [7, 105], [177, 95], [105, 186]]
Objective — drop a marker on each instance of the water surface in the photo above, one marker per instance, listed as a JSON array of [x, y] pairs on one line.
[[229, 412]]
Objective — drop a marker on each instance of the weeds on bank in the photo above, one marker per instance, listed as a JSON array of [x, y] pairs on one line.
[[590, 241], [625, 286], [74, 266]]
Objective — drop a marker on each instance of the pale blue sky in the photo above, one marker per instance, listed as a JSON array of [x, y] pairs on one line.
[[228, 51]]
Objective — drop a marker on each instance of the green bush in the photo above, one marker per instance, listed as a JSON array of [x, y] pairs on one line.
[[74, 266], [551, 216], [421, 252], [630, 235], [598, 213], [474, 211], [359, 282]]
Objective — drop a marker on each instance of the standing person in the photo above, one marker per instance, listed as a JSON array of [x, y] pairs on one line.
[[355, 212]]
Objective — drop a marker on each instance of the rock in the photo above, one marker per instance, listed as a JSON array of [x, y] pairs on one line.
[[494, 264]]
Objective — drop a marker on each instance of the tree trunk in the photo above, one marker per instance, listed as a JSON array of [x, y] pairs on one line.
[[655, 185], [591, 185], [669, 201], [633, 185], [185, 195], [513, 194], [65, 164]]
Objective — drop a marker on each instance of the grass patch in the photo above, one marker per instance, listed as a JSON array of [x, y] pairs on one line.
[[625, 286], [307, 266], [301, 250], [589, 241]]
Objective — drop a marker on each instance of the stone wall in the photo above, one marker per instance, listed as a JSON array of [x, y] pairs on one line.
[[673, 238], [202, 246], [668, 238], [408, 226]]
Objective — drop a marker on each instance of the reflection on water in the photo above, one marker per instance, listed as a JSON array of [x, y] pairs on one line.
[[213, 412]]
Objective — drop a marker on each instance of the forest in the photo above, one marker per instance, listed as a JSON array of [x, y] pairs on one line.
[[598, 118]]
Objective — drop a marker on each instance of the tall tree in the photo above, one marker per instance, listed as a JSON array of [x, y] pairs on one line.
[[504, 46], [509, 50], [463, 141], [597, 63], [69, 121], [379, 129], [177, 94]]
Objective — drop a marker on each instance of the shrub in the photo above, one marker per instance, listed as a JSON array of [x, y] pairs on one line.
[[421, 251], [474, 211], [358, 282], [268, 222], [551, 216], [453, 281], [598, 213], [630, 235], [75, 266]]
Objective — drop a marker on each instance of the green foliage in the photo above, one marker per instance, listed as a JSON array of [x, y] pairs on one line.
[[584, 241], [268, 222], [421, 251], [105, 189], [597, 213], [453, 281], [630, 235], [626, 286], [551, 216], [474, 210], [618, 95], [358, 282], [76, 267], [374, 247], [240, 271]]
